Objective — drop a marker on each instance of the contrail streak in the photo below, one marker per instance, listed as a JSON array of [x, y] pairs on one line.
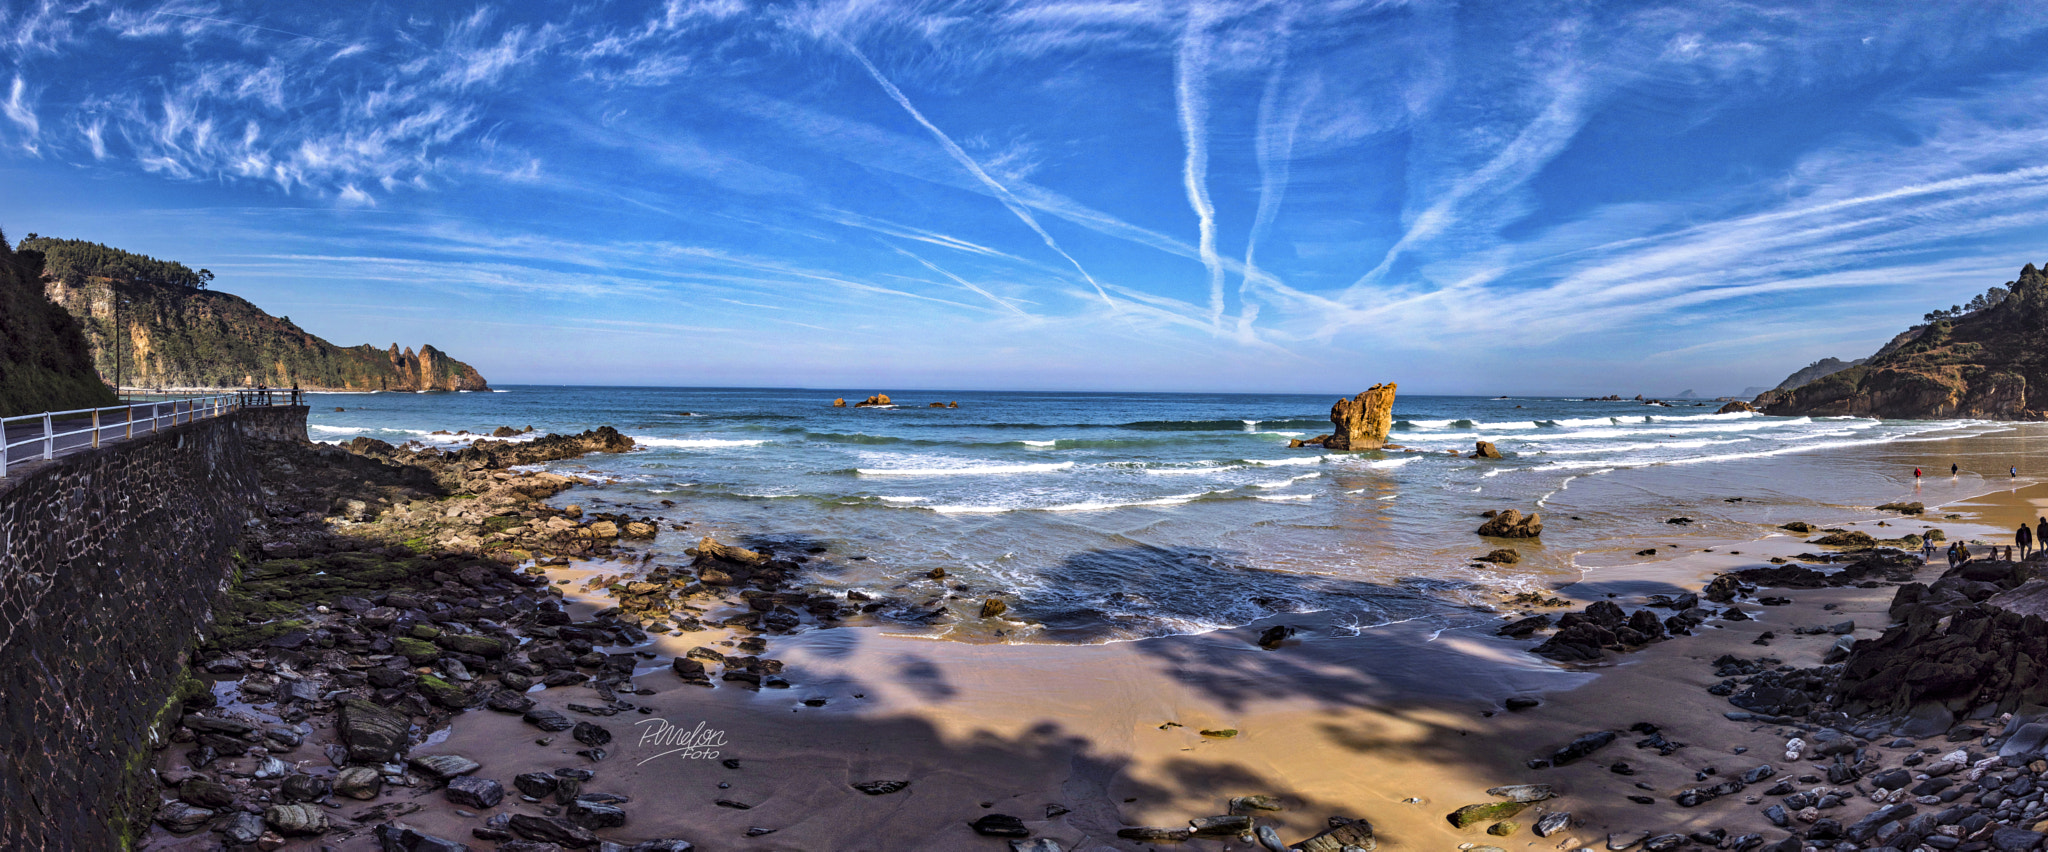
[[1190, 69], [1275, 148], [1538, 141], [1002, 193], [965, 283]]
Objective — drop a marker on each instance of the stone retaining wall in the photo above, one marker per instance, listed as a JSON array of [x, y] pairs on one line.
[[111, 561]]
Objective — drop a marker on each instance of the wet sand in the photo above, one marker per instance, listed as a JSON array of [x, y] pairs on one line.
[[1398, 724]]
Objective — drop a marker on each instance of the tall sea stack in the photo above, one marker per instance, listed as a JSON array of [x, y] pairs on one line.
[[1363, 421]]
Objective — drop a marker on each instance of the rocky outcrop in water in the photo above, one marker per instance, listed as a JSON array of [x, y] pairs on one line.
[[1362, 422], [1990, 364], [1513, 524], [877, 400]]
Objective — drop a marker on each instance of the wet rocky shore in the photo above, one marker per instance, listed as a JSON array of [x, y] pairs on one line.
[[1931, 736], [384, 595], [390, 589]]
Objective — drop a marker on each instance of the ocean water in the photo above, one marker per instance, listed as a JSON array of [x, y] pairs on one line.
[[1107, 516]]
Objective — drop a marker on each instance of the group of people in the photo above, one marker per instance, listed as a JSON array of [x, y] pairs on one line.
[[2026, 541], [2013, 472]]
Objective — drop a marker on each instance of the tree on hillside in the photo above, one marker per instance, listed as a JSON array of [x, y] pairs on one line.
[[1983, 300]]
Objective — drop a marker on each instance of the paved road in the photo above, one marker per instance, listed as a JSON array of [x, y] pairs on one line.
[[21, 455]]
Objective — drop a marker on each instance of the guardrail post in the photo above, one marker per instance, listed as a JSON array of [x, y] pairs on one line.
[[49, 439], [95, 428], [128, 417]]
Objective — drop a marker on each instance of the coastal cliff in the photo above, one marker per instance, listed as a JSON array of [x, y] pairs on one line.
[[44, 361], [1990, 363], [171, 335]]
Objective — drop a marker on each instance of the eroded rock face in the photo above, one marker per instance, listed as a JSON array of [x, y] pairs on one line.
[[1364, 420], [877, 399], [1988, 364], [1736, 406]]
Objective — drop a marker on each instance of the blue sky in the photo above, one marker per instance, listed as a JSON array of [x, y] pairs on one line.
[[1298, 196]]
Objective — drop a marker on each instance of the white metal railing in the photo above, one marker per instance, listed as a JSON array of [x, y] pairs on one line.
[[54, 433]]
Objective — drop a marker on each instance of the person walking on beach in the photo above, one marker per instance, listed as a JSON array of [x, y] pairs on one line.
[[1927, 550], [1916, 476], [2015, 471], [2024, 539], [1952, 469]]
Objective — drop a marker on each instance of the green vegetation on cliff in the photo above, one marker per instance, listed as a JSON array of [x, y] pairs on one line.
[[73, 261], [151, 323], [44, 365], [1991, 361]]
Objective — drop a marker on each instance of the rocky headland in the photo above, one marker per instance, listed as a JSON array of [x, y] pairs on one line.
[[155, 324], [1989, 363]]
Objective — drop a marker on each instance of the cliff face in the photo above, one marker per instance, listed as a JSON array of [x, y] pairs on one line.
[[177, 337], [1992, 364], [44, 363]]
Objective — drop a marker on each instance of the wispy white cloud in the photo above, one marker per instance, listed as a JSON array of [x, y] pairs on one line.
[[19, 110]]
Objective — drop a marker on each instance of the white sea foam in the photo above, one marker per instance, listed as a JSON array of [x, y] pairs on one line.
[[698, 443], [1389, 464], [903, 500], [1292, 461], [1655, 445], [1038, 443], [1201, 467], [974, 470], [1085, 506], [1732, 415], [1283, 483], [1284, 497]]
